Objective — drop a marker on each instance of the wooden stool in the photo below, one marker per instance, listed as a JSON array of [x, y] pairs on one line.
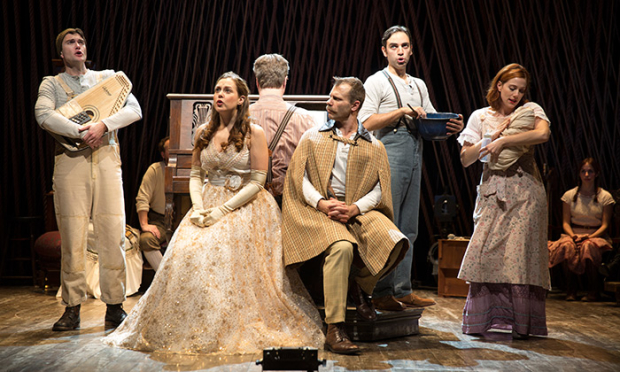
[[47, 249]]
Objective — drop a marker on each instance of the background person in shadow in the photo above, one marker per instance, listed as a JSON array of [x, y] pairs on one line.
[[586, 214], [151, 207]]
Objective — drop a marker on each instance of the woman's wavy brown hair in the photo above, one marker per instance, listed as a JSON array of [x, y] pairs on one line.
[[507, 72], [242, 119]]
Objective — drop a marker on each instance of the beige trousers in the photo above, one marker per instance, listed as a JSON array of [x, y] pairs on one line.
[[336, 270], [88, 185]]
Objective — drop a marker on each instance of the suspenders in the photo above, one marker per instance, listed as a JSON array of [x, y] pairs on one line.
[[71, 95], [276, 138], [411, 126]]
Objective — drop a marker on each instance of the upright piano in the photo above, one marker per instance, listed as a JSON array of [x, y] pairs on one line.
[[187, 113]]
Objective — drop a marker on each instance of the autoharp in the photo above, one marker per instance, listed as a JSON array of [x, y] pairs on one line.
[[97, 103]]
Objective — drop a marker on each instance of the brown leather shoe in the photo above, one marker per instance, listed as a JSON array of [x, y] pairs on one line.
[[388, 303], [337, 340], [412, 300], [362, 301]]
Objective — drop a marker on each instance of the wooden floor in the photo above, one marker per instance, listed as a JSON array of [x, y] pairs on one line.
[[582, 337]]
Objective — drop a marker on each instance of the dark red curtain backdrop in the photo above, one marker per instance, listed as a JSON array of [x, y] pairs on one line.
[[572, 49]]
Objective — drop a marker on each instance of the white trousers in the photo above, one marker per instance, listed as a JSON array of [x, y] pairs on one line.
[[88, 186]]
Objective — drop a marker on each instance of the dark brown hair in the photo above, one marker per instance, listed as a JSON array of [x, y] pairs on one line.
[[161, 146], [597, 168], [61, 37], [242, 120], [391, 31]]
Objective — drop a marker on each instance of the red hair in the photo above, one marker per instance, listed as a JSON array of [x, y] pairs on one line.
[[508, 72]]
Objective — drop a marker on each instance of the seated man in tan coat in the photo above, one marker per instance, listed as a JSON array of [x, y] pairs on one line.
[[337, 203]]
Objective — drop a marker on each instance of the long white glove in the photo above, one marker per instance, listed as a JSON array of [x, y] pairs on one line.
[[196, 181], [257, 181]]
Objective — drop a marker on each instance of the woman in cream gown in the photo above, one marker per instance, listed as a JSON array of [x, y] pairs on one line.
[[222, 286]]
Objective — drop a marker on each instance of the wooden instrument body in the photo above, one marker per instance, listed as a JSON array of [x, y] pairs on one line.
[[97, 103]]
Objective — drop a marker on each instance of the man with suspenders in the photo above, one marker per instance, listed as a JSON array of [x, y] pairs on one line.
[[393, 100], [87, 184], [283, 123]]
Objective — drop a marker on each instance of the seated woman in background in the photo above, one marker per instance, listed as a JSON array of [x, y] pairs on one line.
[[586, 213]]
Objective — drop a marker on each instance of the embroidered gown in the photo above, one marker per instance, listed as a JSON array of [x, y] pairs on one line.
[[224, 289]]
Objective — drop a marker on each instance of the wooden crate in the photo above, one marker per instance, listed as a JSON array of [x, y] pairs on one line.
[[451, 254]]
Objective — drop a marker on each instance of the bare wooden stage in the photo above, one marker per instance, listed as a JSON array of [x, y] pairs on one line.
[[582, 337]]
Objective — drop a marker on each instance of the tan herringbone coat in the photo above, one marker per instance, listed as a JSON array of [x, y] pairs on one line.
[[307, 232]]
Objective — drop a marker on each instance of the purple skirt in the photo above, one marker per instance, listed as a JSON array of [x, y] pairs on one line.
[[515, 307]]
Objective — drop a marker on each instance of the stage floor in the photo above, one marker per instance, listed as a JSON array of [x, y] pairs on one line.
[[582, 337]]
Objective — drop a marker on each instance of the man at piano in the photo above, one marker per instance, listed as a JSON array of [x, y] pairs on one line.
[[87, 184], [276, 116]]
